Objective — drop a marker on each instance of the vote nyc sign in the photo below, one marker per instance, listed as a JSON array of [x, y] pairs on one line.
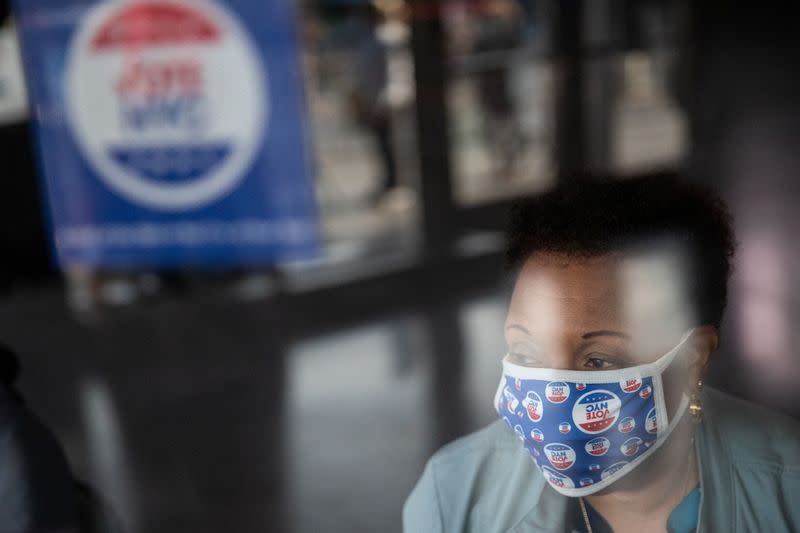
[[174, 131]]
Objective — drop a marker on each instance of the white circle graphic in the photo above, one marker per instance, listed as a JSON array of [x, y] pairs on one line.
[[557, 479], [166, 99], [613, 469], [596, 411], [557, 392], [561, 456]]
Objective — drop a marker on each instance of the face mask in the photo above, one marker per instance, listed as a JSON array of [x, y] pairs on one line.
[[587, 429]]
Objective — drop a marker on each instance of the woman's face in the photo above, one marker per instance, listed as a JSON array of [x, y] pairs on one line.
[[602, 313]]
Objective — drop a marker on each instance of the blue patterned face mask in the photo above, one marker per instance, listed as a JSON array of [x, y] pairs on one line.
[[587, 429]]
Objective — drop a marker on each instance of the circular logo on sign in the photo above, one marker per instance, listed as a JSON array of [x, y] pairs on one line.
[[612, 469], [580, 386], [537, 435], [564, 427], [520, 433], [556, 392], [627, 424], [651, 423], [594, 467], [518, 384], [596, 411], [557, 479], [166, 99], [630, 385], [597, 446], [646, 392], [631, 446], [586, 481], [533, 406]]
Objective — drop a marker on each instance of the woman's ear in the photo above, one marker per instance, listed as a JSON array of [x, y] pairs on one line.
[[703, 342]]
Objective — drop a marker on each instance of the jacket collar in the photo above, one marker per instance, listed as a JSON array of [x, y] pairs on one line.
[[549, 513], [714, 470]]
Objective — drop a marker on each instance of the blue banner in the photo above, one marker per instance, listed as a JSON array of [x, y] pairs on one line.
[[170, 132]]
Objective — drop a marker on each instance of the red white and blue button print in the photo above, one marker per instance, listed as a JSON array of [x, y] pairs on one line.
[[579, 434]]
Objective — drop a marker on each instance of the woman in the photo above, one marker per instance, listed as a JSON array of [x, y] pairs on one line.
[[615, 314]]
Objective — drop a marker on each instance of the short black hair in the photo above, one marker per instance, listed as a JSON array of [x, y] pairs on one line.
[[594, 217]]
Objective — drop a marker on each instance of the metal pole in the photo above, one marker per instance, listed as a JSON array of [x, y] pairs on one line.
[[430, 68], [570, 145]]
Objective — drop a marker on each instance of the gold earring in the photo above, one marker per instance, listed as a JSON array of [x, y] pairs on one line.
[[694, 402]]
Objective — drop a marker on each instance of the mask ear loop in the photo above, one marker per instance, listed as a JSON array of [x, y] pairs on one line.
[[665, 425], [666, 360], [662, 418], [499, 394]]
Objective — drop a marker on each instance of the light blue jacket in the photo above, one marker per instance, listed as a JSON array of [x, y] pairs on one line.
[[749, 471]]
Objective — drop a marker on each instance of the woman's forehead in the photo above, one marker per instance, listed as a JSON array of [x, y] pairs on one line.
[[555, 276], [631, 293]]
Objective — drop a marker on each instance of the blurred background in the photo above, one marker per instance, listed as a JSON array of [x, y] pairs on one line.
[[305, 395]]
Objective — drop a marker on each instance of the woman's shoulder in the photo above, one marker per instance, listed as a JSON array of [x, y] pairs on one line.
[[751, 461], [481, 445], [753, 433], [466, 481], [481, 457]]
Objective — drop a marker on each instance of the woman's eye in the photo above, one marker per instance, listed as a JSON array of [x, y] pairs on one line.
[[595, 363]]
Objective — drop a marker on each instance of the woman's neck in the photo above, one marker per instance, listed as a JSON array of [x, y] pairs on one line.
[[643, 499]]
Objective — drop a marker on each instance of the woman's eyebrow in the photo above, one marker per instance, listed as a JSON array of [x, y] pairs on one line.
[[605, 332]]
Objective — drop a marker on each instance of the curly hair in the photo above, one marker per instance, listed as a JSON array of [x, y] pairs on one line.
[[587, 218]]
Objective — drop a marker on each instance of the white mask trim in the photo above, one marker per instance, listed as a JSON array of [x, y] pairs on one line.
[[662, 418], [499, 394]]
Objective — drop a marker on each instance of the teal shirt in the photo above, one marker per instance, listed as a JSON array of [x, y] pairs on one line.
[[748, 459], [682, 519]]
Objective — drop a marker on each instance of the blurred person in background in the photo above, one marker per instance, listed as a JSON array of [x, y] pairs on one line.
[[38, 492], [498, 34], [370, 95], [23, 238], [605, 423]]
